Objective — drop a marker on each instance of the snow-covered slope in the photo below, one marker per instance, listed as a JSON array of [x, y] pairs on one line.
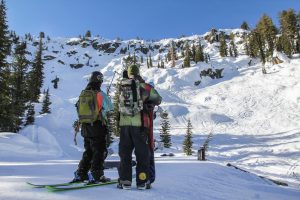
[[254, 118]]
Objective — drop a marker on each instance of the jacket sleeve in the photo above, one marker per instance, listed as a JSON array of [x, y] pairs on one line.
[[107, 105]]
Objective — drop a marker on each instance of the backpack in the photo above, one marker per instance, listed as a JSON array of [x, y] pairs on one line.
[[89, 106], [130, 98]]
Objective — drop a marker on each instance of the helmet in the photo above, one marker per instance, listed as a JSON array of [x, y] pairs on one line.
[[133, 70], [96, 77]]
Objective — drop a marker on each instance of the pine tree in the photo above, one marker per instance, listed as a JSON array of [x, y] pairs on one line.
[[36, 76], [30, 114], [233, 50], [260, 44], [150, 61], [199, 57], [253, 45], [158, 62], [186, 61], [46, 103], [246, 45], [19, 87], [172, 54], [194, 53], [290, 30], [5, 100], [162, 65], [42, 35], [88, 34], [116, 101], [267, 32], [245, 26], [165, 136], [188, 143], [223, 46]]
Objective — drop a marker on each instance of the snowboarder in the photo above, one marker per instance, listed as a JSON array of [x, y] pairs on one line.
[[92, 107], [134, 135]]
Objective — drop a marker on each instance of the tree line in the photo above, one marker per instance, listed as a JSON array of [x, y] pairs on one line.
[[21, 79]]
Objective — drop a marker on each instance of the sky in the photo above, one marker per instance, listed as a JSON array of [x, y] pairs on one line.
[[147, 19]]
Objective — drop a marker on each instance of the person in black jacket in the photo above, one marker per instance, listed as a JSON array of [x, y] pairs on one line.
[[91, 165]]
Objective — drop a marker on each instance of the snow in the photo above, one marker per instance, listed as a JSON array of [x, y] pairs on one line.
[[254, 119], [177, 178]]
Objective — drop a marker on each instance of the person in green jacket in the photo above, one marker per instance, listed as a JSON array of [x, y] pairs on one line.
[[133, 123]]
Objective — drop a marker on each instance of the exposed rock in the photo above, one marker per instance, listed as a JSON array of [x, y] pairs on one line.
[[61, 62], [211, 73], [49, 57], [77, 66]]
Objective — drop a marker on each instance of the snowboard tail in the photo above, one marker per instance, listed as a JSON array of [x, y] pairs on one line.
[[77, 187]]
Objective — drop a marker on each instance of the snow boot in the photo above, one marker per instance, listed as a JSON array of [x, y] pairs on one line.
[[126, 185], [141, 186], [78, 177], [96, 179], [148, 185]]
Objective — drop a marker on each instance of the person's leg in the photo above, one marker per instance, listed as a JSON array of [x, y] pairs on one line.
[[85, 162], [125, 153], [140, 140], [98, 146]]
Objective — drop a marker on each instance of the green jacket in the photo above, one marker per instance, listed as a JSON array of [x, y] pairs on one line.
[[148, 95]]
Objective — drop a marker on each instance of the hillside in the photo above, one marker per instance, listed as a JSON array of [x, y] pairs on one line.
[[254, 117]]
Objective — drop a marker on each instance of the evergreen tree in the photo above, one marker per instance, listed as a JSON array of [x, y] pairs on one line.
[[19, 88], [246, 45], [199, 57], [253, 45], [36, 76], [186, 61], [223, 46], [290, 30], [188, 143], [30, 114], [172, 54], [267, 32], [233, 49], [5, 100], [150, 61], [165, 136], [42, 35], [245, 26], [116, 118], [46, 103], [88, 34], [162, 65], [260, 44], [194, 53]]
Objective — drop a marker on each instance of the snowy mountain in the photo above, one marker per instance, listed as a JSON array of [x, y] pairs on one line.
[[254, 119]]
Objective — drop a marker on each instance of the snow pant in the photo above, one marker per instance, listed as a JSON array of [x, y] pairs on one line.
[[95, 152], [134, 138]]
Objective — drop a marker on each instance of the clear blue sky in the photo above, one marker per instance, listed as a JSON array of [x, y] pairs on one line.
[[148, 19]]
